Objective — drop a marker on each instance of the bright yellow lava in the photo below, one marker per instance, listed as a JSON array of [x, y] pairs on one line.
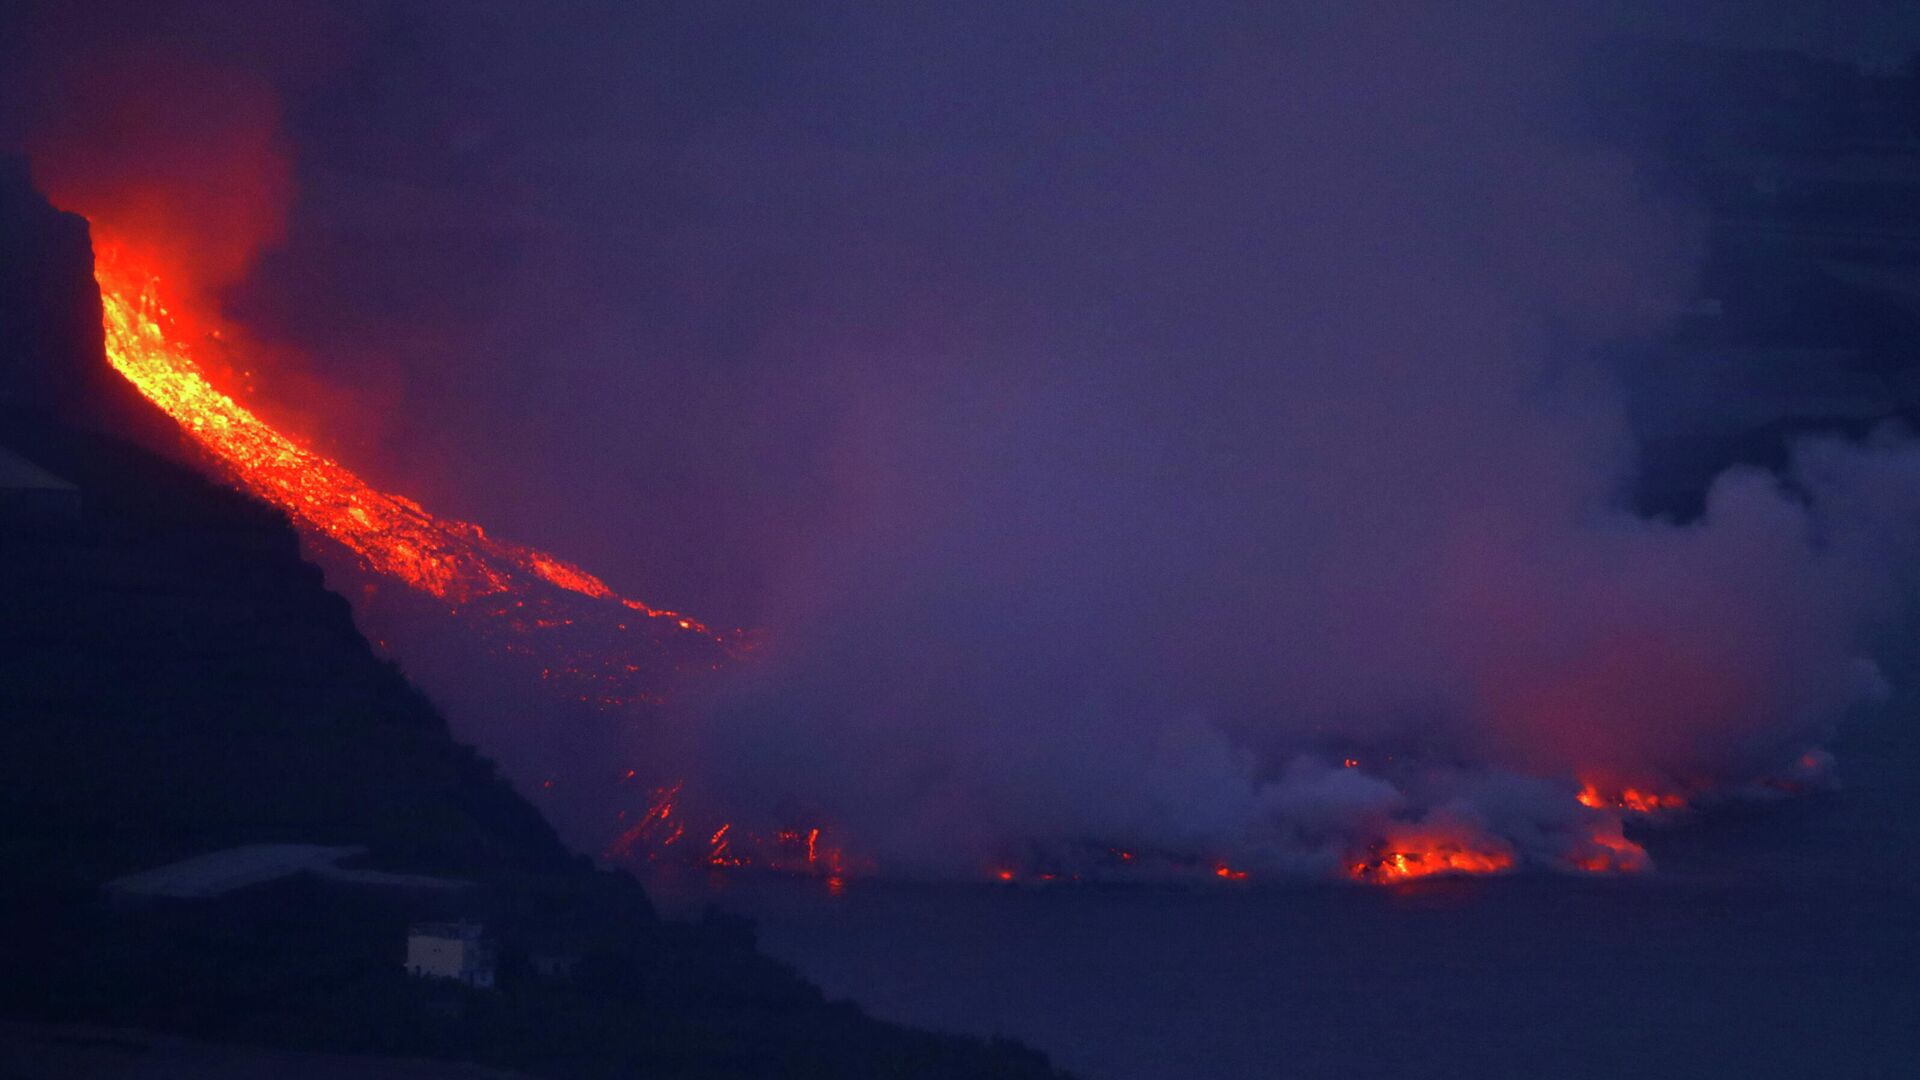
[[454, 560]]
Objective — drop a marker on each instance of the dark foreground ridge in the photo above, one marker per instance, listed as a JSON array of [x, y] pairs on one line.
[[175, 680]]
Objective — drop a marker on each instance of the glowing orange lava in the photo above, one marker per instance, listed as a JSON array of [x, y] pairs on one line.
[[1611, 853], [652, 839], [1633, 800], [653, 827], [529, 601], [393, 535], [1413, 854]]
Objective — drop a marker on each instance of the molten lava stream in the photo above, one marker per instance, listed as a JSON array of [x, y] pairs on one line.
[[579, 633], [662, 836], [1411, 857], [1632, 799], [525, 593], [393, 535]]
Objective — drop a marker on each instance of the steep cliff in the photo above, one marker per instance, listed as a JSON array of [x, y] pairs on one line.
[[50, 333]]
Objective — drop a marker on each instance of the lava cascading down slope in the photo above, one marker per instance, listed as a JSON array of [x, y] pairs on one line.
[[453, 560], [529, 603], [589, 643], [523, 601]]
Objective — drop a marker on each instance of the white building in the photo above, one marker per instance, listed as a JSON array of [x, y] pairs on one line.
[[456, 950]]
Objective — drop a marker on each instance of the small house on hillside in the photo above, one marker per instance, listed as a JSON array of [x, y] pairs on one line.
[[460, 951]]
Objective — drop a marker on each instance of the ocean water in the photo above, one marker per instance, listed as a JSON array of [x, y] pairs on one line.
[[1780, 940]]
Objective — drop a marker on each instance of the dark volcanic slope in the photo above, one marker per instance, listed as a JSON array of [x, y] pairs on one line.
[[174, 679]]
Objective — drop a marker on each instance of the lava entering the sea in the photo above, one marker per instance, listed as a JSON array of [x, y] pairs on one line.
[[1414, 855], [532, 604]]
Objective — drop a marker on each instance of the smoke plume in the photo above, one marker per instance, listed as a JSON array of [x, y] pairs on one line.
[[1125, 432]]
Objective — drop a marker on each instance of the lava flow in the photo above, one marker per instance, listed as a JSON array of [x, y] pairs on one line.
[[454, 560], [586, 639], [609, 650], [1632, 799], [522, 592], [1404, 858], [660, 835]]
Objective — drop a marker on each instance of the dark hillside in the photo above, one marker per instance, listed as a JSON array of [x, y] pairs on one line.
[[174, 680]]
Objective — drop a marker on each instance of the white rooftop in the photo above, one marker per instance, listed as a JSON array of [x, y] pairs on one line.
[[221, 872], [19, 474]]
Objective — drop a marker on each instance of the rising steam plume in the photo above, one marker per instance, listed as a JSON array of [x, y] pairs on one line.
[[1258, 510]]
